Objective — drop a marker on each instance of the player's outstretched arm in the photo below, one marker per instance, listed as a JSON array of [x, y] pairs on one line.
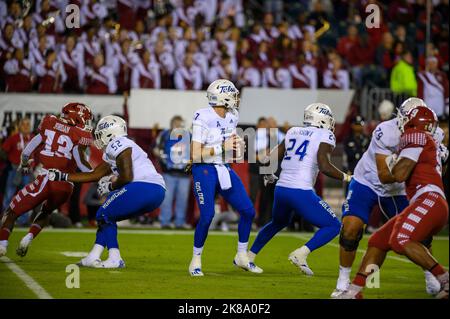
[[101, 170], [79, 153], [384, 174], [325, 165], [402, 169]]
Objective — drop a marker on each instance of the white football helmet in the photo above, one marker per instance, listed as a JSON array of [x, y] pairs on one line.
[[319, 115], [109, 127], [223, 93], [404, 109]]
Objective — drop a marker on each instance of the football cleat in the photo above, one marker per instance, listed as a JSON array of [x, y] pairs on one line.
[[3, 250], [336, 293], [91, 263], [23, 246], [110, 263], [299, 260], [353, 292], [195, 268], [443, 293], [241, 260], [432, 285]]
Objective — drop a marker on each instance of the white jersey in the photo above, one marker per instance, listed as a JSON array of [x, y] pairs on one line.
[[299, 168], [143, 169], [209, 129], [385, 140]]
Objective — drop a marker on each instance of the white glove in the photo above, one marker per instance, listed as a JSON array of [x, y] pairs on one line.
[[55, 175], [391, 160], [270, 179], [443, 153], [24, 166], [104, 186]]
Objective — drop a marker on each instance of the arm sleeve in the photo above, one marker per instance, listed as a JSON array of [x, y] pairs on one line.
[[328, 137], [31, 146], [77, 156], [379, 139], [199, 129]]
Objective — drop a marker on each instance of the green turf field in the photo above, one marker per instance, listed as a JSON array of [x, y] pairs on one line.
[[157, 263]]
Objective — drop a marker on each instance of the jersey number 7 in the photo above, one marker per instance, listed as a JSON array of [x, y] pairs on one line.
[[300, 151]]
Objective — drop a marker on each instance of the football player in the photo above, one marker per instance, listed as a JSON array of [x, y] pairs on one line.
[[128, 177], [305, 151], [214, 136], [371, 185], [418, 166], [61, 144]]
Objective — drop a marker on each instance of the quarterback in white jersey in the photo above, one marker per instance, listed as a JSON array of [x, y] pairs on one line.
[[372, 185], [306, 151], [213, 137], [133, 188]]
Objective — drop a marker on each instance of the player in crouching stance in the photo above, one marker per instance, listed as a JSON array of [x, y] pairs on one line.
[[61, 143], [134, 188], [371, 185], [306, 150], [418, 165], [213, 136]]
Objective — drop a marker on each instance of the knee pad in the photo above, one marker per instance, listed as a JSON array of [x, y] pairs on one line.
[[349, 244], [427, 242]]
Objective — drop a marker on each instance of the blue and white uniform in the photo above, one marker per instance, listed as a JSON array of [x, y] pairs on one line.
[[365, 190], [144, 194], [214, 176], [294, 191]]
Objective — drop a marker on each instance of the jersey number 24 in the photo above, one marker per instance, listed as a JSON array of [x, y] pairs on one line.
[[300, 151]]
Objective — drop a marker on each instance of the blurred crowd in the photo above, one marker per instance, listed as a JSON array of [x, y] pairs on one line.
[[186, 44]]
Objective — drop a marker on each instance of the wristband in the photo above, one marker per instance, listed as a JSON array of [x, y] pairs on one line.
[[347, 178]]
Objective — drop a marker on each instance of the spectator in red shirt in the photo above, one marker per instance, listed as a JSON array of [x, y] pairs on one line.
[[384, 53], [401, 11], [346, 44], [13, 147]]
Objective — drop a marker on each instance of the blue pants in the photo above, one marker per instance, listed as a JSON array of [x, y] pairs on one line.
[[133, 199], [11, 188], [178, 188], [206, 186], [362, 199], [306, 204]]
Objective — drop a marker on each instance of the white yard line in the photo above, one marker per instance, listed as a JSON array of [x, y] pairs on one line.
[[178, 232], [37, 289]]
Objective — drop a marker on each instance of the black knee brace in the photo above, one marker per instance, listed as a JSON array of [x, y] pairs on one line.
[[349, 244], [427, 242]]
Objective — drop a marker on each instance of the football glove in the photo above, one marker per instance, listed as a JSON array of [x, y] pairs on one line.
[[188, 168], [24, 166], [104, 186], [270, 179], [55, 175], [391, 160], [443, 153]]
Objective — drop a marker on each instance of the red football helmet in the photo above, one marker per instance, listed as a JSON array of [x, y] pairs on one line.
[[78, 114], [421, 118]]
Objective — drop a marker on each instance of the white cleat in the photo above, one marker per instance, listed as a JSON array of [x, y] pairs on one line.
[[432, 285], [241, 260], [353, 292], [336, 293], [23, 246], [195, 267], [3, 250], [112, 264], [90, 263], [299, 260]]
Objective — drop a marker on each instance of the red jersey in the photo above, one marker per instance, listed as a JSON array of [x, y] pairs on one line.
[[59, 140], [426, 175], [14, 146]]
